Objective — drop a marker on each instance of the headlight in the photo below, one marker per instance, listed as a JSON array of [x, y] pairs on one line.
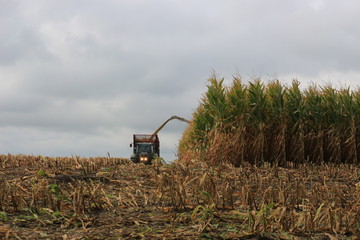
[[143, 159]]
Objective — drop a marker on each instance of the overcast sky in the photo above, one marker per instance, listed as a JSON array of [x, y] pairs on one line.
[[79, 77]]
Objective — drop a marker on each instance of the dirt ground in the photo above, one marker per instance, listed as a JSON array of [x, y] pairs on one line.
[[120, 200]]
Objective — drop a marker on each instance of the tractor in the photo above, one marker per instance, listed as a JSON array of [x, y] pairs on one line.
[[146, 147]]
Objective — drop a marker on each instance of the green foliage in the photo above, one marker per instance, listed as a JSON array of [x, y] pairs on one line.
[[257, 103], [41, 173], [55, 189], [3, 217], [236, 102]]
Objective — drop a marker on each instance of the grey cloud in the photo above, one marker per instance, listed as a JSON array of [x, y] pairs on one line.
[[79, 77], [19, 43]]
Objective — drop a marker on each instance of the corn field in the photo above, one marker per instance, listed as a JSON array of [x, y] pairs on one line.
[[283, 125]]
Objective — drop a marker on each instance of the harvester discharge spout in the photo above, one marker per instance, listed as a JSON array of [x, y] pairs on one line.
[[171, 118]]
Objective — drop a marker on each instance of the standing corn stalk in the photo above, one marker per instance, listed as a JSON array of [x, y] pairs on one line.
[[349, 125], [295, 133], [277, 123], [314, 125], [333, 122], [237, 102], [257, 121]]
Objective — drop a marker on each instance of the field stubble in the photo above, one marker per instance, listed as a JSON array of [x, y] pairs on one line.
[[112, 198]]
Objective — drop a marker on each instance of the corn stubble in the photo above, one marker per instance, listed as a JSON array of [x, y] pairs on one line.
[[182, 200]]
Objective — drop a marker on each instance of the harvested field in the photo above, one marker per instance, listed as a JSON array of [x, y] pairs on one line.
[[112, 198]]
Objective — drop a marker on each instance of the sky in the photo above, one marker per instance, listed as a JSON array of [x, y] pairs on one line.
[[80, 77]]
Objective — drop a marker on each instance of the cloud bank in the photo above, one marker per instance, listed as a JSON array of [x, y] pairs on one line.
[[80, 77]]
